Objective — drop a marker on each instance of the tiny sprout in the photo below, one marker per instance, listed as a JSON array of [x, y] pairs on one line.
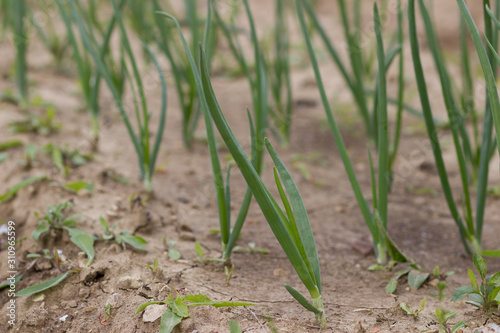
[[154, 267], [410, 312]]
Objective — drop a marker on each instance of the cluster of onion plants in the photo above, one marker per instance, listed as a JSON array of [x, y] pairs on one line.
[[259, 125], [473, 155], [146, 151], [88, 73], [376, 218]]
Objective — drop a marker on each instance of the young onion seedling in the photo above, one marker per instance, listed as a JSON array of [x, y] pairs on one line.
[[291, 227], [146, 152]]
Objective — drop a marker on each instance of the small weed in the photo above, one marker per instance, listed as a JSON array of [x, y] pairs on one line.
[[178, 307], [43, 125], [411, 312], [200, 255], [485, 295], [19, 186], [65, 158], [154, 267], [173, 253], [56, 220], [122, 238], [416, 277], [251, 249]]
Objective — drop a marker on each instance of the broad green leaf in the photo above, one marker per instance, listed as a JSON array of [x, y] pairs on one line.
[[476, 298], [458, 326], [80, 185], [302, 300], [144, 305], [84, 241], [417, 278], [174, 254], [494, 280], [472, 278], [234, 327], [135, 241], [40, 230], [199, 298], [405, 308], [461, 292], [7, 283], [42, 286], [480, 265], [168, 321], [479, 305], [199, 250], [390, 288], [422, 305], [178, 307], [22, 184], [495, 294], [399, 274]]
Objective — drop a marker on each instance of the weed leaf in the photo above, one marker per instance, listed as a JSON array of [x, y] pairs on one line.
[[84, 241], [80, 185], [22, 184], [168, 321], [178, 307], [145, 305], [42, 286], [494, 280], [480, 265], [405, 308], [40, 230], [472, 278], [234, 327], [461, 292], [391, 286], [135, 241], [199, 298], [416, 278]]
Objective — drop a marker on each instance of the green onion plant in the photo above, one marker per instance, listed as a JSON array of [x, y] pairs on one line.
[[278, 67], [290, 226], [472, 154], [360, 74], [146, 152], [184, 80], [258, 129], [21, 41], [377, 217], [89, 75]]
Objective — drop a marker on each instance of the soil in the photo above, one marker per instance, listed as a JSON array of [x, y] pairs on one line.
[[183, 209]]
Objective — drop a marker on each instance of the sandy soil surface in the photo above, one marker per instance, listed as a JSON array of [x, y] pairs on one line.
[[184, 210]]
